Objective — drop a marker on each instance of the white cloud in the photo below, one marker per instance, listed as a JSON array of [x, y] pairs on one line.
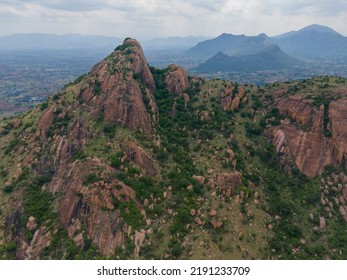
[[151, 18]]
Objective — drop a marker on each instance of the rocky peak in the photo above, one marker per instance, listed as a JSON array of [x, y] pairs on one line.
[[139, 63], [176, 79], [117, 87]]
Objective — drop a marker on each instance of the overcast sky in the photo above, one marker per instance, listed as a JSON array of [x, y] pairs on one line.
[[145, 19]]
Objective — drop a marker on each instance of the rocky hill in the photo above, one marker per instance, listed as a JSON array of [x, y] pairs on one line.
[[314, 41], [133, 162], [311, 42], [267, 58]]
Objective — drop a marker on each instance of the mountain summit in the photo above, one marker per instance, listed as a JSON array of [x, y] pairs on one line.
[[312, 41]]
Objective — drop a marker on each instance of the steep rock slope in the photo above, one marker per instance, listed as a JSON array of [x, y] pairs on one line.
[[316, 138], [111, 95]]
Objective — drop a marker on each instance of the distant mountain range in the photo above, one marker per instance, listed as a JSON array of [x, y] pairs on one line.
[[312, 41], [42, 41], [172, 42], [269, 58], [220, 44], [229, 52], [39, 41]]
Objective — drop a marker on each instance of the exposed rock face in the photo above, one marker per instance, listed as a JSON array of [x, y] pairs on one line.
[[116, 94], [44, 123], [230, 99], [338, 117], [176, 79], [307, 146], [85, 204], [310, 151], [279, 140], [228, 182], [139, 63], [139, 239], [42, 239], [138, 155], [296, 108]]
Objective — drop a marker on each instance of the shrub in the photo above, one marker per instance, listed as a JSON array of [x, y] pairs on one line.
[[132, 215], [110, 130], [91, 178], [115, 161], [8, 189], [97, 87], [11, 246]]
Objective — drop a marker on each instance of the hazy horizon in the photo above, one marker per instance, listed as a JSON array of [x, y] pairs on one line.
[[205, 36]]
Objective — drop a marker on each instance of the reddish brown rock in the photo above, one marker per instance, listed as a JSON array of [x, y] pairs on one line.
[[241, 92], [343, 212], [322, 222], [41, 240], [45, 122], [106, 229], [138, 155], [199, 179], [297, 109], [176, 79], [228, 182], [310, 150], [212, 213], [231, 101], [116, 94], [338, 117], [216, 224], [31, 224], [235, 103], [192, 212], [15, 123], [198, 221], [139, 239], [226, 102], [139, 63], [279, 140]]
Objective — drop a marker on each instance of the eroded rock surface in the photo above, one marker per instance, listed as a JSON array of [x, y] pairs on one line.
[[176, 79], [306, 144]]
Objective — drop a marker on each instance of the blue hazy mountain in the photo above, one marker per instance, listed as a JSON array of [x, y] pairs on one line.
[[269, 58], [312, 41], [39, 41], [220, 44], [251, 45]]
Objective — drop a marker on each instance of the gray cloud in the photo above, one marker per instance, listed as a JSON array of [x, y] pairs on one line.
[[151, 18], [292, 7]]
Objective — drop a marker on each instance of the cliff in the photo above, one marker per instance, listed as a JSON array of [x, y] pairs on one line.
[[305, 140]]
